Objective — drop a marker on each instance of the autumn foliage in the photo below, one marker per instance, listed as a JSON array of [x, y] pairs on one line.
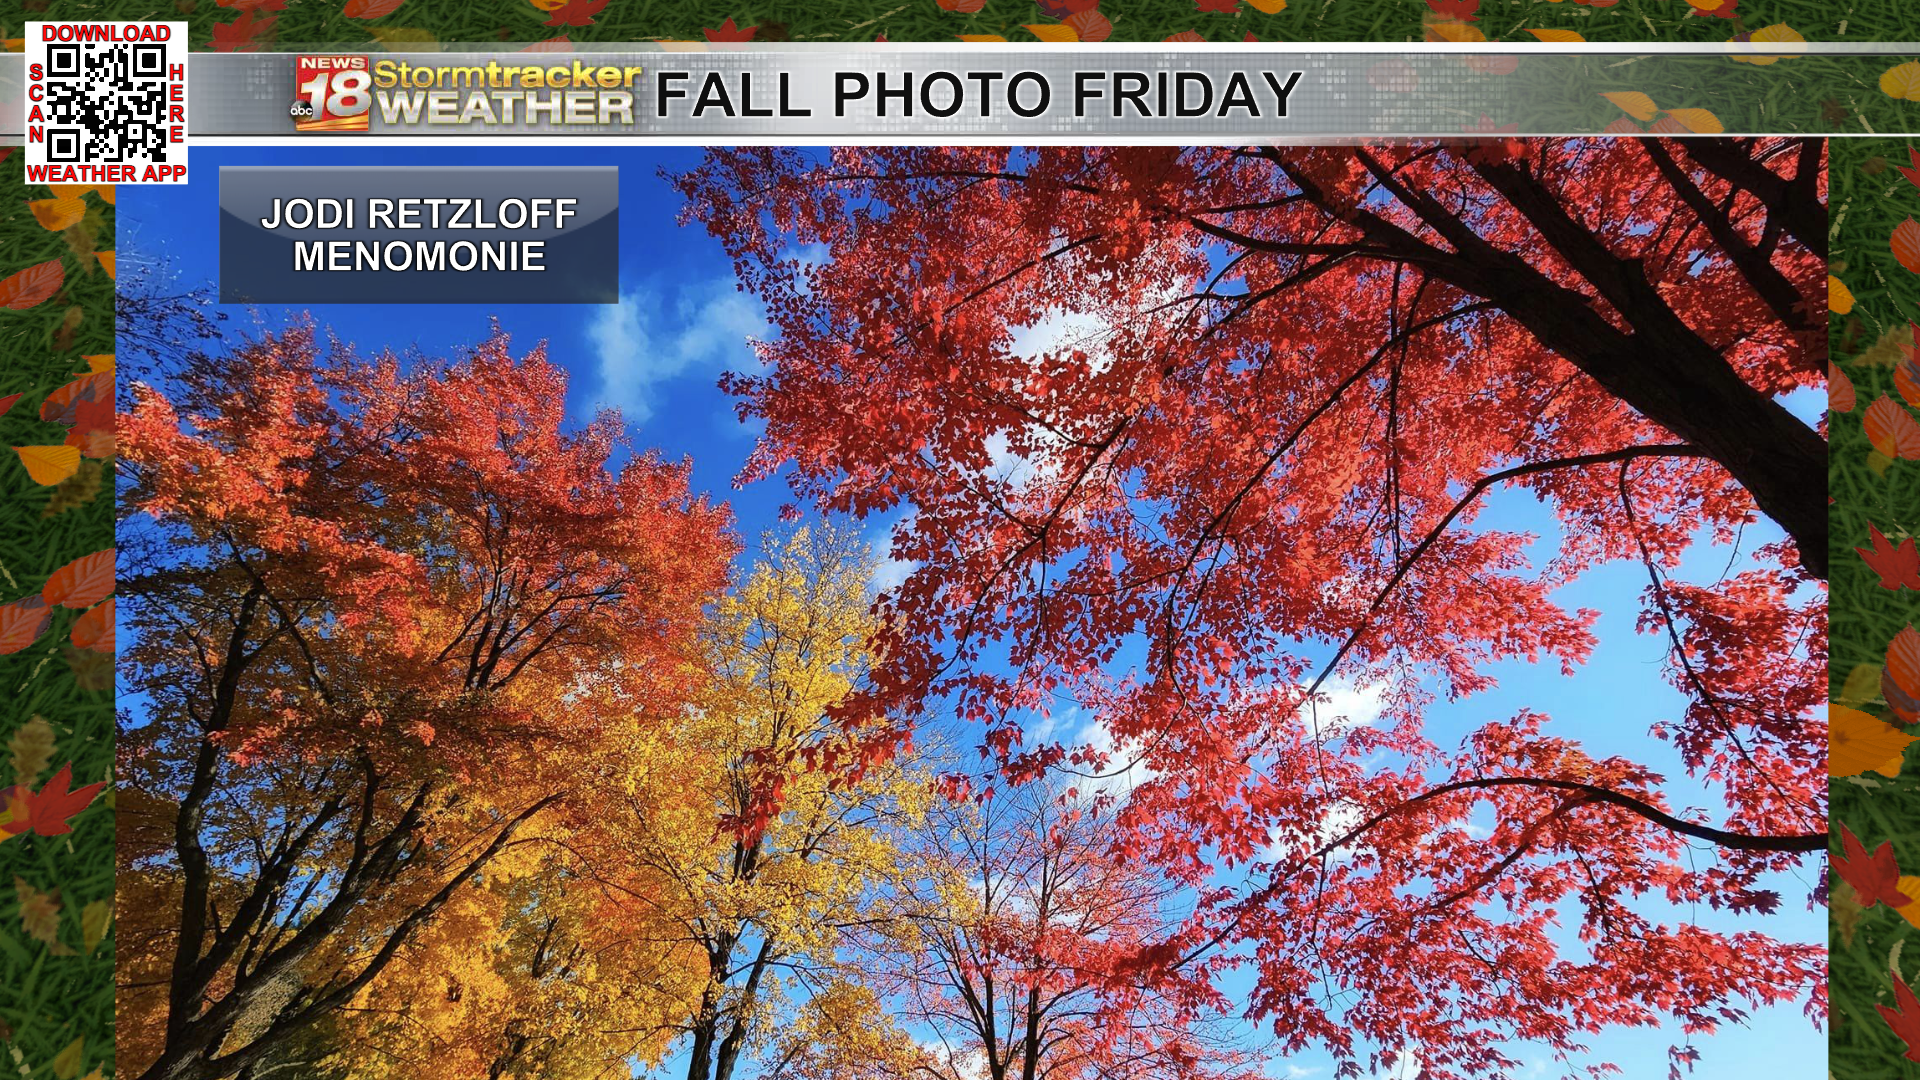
[[1272, 388], [377, 606]]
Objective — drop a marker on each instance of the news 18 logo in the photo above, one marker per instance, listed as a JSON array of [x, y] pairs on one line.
[[331, 93]]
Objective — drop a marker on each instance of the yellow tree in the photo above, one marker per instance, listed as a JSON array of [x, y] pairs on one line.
[[773, 863]]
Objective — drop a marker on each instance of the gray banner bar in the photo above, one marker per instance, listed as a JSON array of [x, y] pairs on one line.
[[361, 235]]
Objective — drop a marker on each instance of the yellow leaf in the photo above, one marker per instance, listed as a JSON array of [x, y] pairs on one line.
[[1270, 7], [1878, 462], [1634, 104], [15, 44], [106, 262], [1902, 81], [1556, 35], [1839, 297], [94, 919], [1788, 40], [1863, 684], [1909, 887], [1698, 121], [66, 1063], [1453, 30], [1052, 31], [105, 191], [1858, 742], [57, 214], [99, 364], [980, 37], [48, 465]]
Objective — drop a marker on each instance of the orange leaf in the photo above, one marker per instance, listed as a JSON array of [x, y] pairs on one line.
[[1052, 31], [1557, 35], [1634, 104], [1453, 30], [1906, 244], [22, 622], [1698, 121], [32, 285], [94, 630], [1839, 390], [370, 9], [106, 261], [1892, 430], [48, 465], [57, 214], [1090, 25], [83, 582]]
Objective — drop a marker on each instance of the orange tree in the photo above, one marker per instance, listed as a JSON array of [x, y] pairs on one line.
[[380, 612]]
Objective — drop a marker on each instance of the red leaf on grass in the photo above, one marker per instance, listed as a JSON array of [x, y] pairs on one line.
[[726, 31], [1875, 877], [33, 285], [22, 622], [1897, 564], [81, 583], [1905, 1021]]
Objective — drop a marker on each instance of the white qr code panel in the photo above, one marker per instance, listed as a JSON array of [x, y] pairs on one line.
[[106, 103]]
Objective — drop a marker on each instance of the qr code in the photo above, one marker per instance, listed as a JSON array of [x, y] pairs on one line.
[[107, 94], [106, 103]]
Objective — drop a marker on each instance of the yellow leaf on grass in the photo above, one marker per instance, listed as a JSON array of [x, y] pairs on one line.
[[1785, 41], [1453, 30], [1862, 685], [1270, 7], [981, 37], [66, 1063], [1633, 103], [1052, 31], [1909, 887], [1698, 121], [48, 465], [1839, 297], [1556, 35], [1858, 742], [94, 920], [1902, 81], [413, 39], [57, 214], [101, 363], [106, 262]]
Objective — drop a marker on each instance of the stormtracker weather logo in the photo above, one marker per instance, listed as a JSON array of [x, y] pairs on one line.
[[342, 93]]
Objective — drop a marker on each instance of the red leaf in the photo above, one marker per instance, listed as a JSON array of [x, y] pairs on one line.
[[1463, 10], [49, 811], [556, 44], [1224, 7], [7, 403], [243, 34], [1906, 1021], [1892, 430], [33, 285], [81, 583], [1839, 390], [1912, 174], [370, 9], [1184, 35], [1873, 876], [577, 13], [22, 622], [1897, 565], [729, 32], [94, 630], [63, 405], [1906, 244]]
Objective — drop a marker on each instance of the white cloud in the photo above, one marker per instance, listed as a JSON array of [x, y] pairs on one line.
[[1126, 766], [653, 336]]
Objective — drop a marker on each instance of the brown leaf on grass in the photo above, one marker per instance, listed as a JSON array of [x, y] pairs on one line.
[[32, 750], [39, 912]]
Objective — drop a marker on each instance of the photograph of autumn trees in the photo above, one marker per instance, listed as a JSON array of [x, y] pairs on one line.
[[1131, 613]]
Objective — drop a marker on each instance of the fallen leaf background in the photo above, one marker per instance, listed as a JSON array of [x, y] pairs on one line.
[[1875, 662], [55, 996]]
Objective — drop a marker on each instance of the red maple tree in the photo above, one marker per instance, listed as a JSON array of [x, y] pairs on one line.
[[1272, 389]]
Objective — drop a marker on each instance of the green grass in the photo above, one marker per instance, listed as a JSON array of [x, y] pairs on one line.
[[324, 22], [1869, 199], [48, 1001]]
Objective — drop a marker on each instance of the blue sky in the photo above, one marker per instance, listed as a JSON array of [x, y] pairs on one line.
[[657, 355]]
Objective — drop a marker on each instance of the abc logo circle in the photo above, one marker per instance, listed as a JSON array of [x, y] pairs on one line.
[[301, 110]]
